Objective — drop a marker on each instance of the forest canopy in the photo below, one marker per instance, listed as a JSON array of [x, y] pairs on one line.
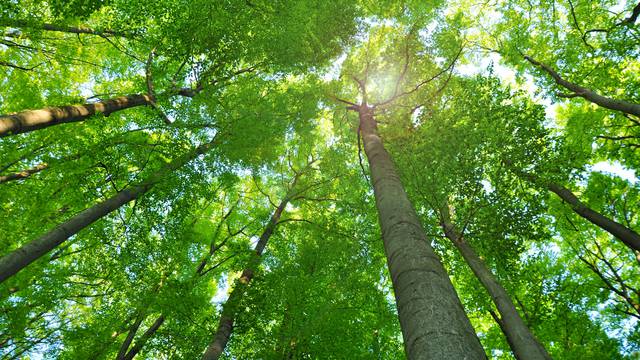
[[309, 179]]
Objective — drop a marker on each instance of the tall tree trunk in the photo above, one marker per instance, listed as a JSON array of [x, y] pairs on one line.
[[521, 340], [15, 261], [227, 318], [434, 324], [23, 174], [577, 90], [31, 120]]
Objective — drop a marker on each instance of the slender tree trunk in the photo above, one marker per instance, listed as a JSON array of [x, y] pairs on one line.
[[123, 354], [523, 343], [31, 120], [133, 329], [434, 324], [577, 90], [227, 318], [15, 261], [626, 235], [144, 338], [23, 174]]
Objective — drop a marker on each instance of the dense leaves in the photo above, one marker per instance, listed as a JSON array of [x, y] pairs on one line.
[[484, 108]]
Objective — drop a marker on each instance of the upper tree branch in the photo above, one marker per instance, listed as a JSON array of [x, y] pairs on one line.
[[424, 82], [63, 28], [23, 174], [609, 103]]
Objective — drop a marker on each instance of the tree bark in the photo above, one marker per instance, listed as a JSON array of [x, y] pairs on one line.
[[31, 120], [587, 94], [144, 338], [227, 318], [433, 322], [626, 235], [61, 28], [23, 174], [523, 343], [133, 329], [15, 261]]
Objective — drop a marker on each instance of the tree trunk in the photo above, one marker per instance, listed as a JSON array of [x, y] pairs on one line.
[[628, 236], [523, 343], [608, 103], [434, 324], [23, 174], [227, 318], [144, 338], [15, 261], [31, 120], [133, 329]]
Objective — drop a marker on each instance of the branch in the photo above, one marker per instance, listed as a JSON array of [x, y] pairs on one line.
[[63, 28], [608, 103], [8, 64], [23, 174], [203, 273], [633, 17], [419, 85], [617, 137], [151, 91], [341, 100]]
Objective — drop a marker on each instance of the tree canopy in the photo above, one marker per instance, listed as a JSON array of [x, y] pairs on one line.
[[307, 179]]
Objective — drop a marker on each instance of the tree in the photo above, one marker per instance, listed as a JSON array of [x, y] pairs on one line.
[[471, 192]]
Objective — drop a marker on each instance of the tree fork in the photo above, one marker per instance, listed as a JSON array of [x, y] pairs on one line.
[[523, 343], [18, 259], [433, 322]]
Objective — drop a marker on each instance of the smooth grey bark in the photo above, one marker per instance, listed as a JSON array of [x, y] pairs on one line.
[[433, 322], [23, 174], [30, 120], [227, 318], [523, 343], [15, 261], [587, 94]]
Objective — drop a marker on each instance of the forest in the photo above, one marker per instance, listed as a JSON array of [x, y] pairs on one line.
[[315, 179]]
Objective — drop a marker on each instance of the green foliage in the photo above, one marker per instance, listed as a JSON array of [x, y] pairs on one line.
[[268, 81]]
